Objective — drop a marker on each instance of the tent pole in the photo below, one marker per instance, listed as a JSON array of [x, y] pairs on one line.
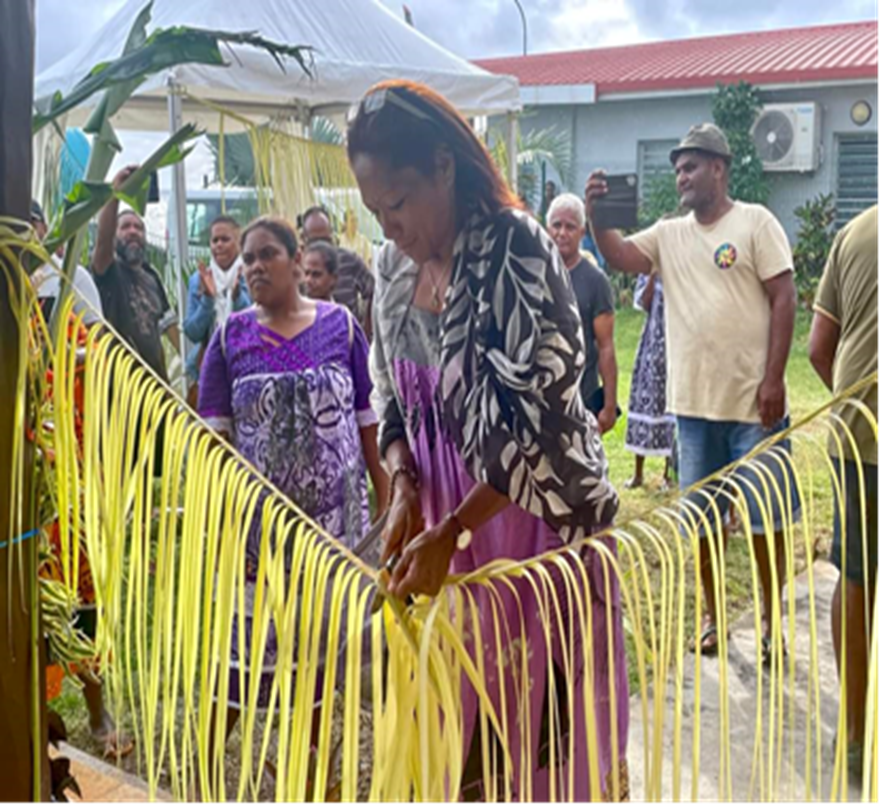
[[512, 144], [178, 219]]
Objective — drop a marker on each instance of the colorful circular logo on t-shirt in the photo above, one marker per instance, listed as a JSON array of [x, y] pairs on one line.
[[725, 255]]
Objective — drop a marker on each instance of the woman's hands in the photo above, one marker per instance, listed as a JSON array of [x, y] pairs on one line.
[[405, 519], [424, 564]]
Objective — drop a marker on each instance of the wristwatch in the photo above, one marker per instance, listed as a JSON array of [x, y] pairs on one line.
[[463, 536]]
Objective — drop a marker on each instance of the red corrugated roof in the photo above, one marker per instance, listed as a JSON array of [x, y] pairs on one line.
[[822, 53]]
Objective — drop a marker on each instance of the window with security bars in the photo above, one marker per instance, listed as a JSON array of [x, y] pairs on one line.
[[856, 175], [653, 161]]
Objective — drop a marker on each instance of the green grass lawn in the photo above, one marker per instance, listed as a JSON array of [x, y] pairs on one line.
[[805, 392]]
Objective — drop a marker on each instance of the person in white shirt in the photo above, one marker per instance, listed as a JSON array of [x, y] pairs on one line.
[[47, 280]]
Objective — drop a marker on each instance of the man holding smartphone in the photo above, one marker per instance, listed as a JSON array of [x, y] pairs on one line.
[[727, 274]]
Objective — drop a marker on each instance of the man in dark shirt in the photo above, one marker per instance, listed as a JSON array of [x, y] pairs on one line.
[[354, 281], [132, 295], [566, 223]]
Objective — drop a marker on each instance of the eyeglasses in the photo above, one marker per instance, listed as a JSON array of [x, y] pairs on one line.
[[375, 101]]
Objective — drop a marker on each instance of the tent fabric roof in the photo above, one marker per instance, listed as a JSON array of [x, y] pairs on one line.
[[356, 42], [819, 53]]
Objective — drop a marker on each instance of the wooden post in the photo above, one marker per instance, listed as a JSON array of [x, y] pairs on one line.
[[22, 746]]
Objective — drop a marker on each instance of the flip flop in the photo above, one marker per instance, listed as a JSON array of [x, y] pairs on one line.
[[767, 651], [116, 745], [710, 630]]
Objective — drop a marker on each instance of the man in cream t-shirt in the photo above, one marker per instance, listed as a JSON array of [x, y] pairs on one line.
[[730, 305]]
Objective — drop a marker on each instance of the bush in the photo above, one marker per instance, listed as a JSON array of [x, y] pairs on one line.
[[814, 241], [735, 108]]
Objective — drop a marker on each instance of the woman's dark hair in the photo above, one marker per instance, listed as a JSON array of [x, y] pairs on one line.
[[282, 230], [404, 123], [328, 254]]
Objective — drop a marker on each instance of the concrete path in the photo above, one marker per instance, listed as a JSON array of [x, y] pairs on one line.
[[103, 782], [743, 777]]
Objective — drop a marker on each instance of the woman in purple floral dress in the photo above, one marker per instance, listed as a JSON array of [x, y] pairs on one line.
[[286, 381]]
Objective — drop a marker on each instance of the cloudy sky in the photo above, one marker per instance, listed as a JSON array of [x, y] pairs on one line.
[[482, 28], [479, 28]]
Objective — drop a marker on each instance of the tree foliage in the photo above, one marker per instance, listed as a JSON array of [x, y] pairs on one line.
[[814, 240], [735, 108]]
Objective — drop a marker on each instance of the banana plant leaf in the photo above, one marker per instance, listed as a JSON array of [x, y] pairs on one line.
[[164, 48], [87, 198]]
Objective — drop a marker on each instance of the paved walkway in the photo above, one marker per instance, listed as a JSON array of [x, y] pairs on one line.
[[743, 780], [102, 782]]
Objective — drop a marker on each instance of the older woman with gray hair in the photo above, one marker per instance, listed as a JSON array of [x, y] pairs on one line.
[[567, 223]]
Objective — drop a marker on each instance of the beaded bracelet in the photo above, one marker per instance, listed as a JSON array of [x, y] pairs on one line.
[[409, 472]]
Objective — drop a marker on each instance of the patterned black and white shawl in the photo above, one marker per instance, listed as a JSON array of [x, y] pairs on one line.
[[511, 356]]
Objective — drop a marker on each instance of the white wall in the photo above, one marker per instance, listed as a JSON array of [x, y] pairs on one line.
[[606, 135]]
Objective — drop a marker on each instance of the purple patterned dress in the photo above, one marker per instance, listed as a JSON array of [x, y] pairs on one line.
[[415, 378], [294, 409]]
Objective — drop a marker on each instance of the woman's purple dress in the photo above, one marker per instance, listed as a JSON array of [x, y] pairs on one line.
[[294, 409], [406, 369]]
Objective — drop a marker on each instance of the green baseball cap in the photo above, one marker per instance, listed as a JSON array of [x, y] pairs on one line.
[[705, 137]]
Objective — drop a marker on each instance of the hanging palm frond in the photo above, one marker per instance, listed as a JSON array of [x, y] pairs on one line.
[[168, 560]]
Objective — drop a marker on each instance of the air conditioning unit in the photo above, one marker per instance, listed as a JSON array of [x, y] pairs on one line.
[[787, 135]]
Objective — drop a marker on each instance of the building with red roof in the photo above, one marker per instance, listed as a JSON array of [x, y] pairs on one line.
[[623, 108]]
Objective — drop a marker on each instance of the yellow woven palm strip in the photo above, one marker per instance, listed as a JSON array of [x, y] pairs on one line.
[[285, 611], [199, 659], [661, 651], [576, 616], [188, 603], [114, 455], [465, 594], [669, 519], [743, 487], [404, 641], [312, 593], [182, 435], [869, 759], [398, 782], [16, 239], [67, 449], [342, 591], [638, 578], [501, 639], [543, 617], [164, 589], [62, 448], [840, 776], [813, 715], [448, 632]]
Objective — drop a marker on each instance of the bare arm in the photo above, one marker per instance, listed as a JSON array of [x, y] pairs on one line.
[[603, 331], [105, 242], [771, 393], [404, 508], [619, 253], [824, 338], [370, 445], [424, 563]]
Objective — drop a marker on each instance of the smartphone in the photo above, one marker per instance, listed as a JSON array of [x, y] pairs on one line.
[[153, 194], [618, 208]]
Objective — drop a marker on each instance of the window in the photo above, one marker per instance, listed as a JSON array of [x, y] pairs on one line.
[[653, 162], [856, 175]]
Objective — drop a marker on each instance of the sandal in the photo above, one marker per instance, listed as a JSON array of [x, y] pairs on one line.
[[767, 651], [708, 649]]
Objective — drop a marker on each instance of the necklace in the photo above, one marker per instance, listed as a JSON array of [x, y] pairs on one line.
[[436, 301]]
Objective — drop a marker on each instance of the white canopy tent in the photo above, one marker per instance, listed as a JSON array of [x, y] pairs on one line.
[[356, 43]]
